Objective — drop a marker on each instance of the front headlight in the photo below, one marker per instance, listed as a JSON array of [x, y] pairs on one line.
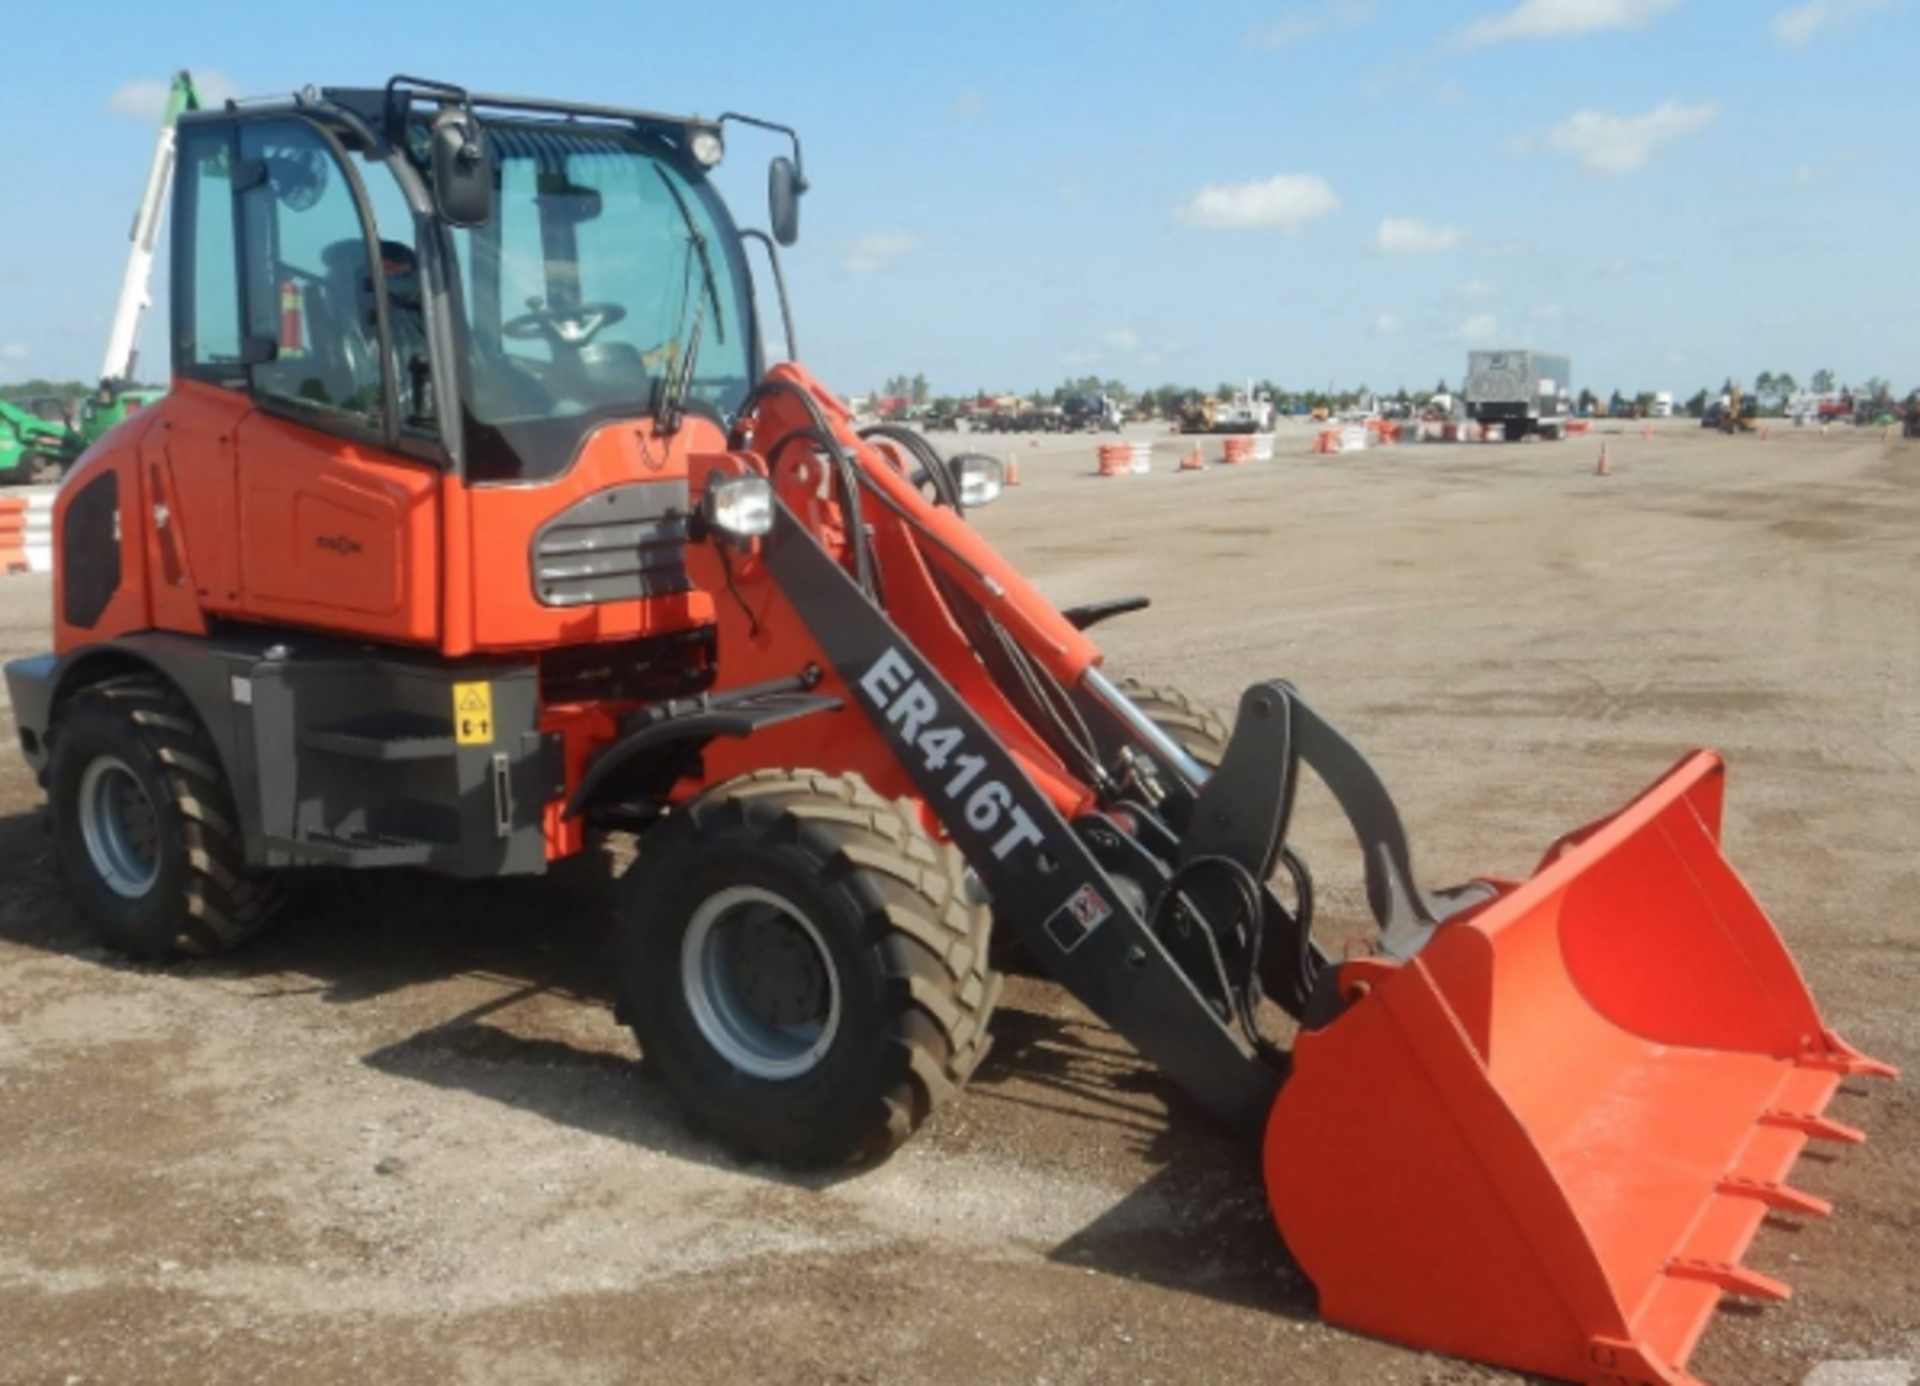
[[707, 147], [982, 478], [740, 507]]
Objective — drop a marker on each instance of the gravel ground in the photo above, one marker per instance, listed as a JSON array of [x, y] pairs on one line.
[[401, 1137]]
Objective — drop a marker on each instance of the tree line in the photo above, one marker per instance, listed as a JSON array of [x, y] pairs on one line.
[[1771, 389]]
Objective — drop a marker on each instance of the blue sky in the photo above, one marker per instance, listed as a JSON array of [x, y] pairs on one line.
[[1669, 191]]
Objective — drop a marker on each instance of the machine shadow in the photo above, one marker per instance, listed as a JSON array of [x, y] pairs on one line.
[[474, 959]]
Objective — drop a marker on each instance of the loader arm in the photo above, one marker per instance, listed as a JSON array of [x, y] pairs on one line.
[[1569, 1101], [1129, 875]]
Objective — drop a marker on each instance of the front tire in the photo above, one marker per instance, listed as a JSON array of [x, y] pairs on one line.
[[145, 826], [803, 968]]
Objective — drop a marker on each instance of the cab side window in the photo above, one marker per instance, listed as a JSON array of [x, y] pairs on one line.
[[311, 279], [206, 290], [401, 264]]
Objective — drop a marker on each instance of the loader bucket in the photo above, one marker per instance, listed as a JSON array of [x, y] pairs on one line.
[[1547, 1139]]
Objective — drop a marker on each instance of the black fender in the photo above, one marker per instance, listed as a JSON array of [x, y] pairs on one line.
[[662, 740]]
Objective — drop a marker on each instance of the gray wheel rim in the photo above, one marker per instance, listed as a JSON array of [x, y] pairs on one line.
[[760, 983], [120, 827]]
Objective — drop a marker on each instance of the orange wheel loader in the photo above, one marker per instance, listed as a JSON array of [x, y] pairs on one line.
[[475, 522]]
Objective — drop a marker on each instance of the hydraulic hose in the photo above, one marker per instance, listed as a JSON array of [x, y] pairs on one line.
[[937, 468], [846, 473]]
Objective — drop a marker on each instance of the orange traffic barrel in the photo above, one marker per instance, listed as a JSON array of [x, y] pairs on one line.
[[13, 535]]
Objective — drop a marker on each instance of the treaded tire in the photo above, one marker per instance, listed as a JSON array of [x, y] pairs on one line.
[[908, 952], [202, 899], [1201, 732]]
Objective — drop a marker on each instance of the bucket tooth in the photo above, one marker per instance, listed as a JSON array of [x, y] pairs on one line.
[[1837, 1056], [1779, 1197], [1815, 1127], [1735, 1280]]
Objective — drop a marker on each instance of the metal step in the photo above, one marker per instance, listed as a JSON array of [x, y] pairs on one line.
[[369, 747], [359, 850]]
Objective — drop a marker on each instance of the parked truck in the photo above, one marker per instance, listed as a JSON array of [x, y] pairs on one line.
[[1523, 391]]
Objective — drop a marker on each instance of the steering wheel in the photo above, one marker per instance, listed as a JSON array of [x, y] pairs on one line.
[[570, 327]]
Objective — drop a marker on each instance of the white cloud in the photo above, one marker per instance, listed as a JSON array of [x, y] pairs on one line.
[[1285, 203], [1080, 356], [1548, 312], [1479, 290], [1406, 236], [1385, 325], [1480, 327], [969, 104], [1548, 19], [1799, 26], [1123, 339], [1296, 26], [878, 252], [16, 351], [1613, 145], [145, 100], [1450, 93]]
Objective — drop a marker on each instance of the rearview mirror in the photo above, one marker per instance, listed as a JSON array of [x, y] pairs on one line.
[[462, 171], [783, 200]]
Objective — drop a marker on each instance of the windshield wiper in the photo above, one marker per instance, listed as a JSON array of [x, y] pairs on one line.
[[700, 245], [679, 378]]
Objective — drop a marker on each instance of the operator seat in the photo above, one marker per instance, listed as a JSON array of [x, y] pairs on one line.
[[341, 329]]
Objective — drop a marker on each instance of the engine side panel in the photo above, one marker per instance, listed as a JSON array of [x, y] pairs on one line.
[[495, 588]]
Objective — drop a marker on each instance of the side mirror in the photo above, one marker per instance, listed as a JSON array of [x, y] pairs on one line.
[[784, 187], [462, 170]]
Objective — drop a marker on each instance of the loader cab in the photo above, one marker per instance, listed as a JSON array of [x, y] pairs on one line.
[[319, 279], [383, 410]]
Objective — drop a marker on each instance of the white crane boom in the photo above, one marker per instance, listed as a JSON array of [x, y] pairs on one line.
[[123, 341]]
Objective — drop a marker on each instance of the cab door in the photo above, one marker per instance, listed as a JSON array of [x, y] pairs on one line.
[[338, 528]]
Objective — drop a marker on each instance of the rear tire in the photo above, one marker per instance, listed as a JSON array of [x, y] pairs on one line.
[[802, 966], [145, 826]]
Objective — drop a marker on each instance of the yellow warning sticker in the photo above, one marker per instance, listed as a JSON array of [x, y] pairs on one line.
[[473, 713]]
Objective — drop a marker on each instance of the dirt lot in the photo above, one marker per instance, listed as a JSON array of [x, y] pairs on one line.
[[402, 1138]]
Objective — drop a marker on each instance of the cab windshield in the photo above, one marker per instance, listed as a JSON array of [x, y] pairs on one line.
[[580, 295]]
